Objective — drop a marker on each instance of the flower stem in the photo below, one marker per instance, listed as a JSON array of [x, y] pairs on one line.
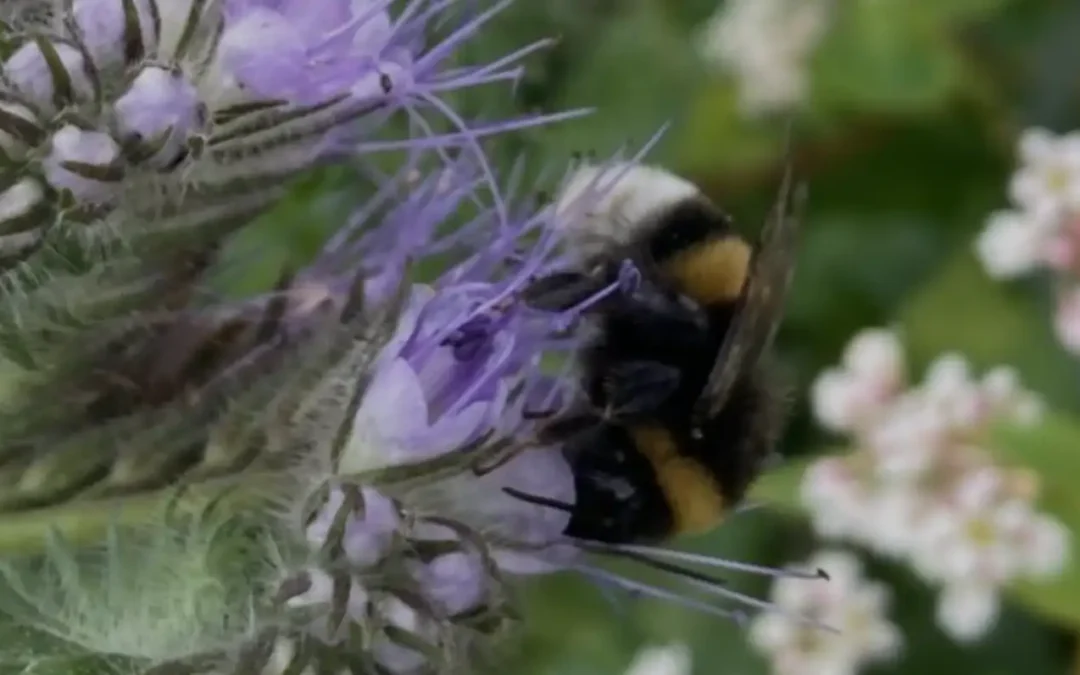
[[85, 523]]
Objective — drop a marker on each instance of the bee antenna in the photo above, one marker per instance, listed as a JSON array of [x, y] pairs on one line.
[[539, 500]]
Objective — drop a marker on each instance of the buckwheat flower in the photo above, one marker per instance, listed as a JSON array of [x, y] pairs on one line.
[[766, 45], [908, 439], [1014, 243], [872, 372], [854, 607], [1067, 319], [837, 497], [919, 486], [673, 659], [1048, 180], [1002, 395], [967, 611], [977, 541]]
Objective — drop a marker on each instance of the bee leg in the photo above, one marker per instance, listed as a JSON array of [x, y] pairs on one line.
[[637, 388], [539, 500]]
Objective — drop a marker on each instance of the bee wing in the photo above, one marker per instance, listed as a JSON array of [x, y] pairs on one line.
[[762, 303]]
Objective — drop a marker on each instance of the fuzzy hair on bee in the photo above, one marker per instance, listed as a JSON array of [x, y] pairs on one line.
[[682, 406]]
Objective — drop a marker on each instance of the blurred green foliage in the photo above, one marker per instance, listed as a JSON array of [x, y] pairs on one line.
[[906, 141]]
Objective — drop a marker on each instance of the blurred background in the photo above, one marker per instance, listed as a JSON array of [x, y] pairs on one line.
[[908, 117]]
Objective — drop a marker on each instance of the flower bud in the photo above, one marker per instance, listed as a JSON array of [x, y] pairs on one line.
[[396, 657], [110, 35], [84, 162], [22, 208], [158, 113], [369, 530], [20, 129], [51, 74]]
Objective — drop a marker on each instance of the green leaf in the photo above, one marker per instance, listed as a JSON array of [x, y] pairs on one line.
[[716, 137], [641, 74], [991, 323], [962, 10], [889, 56], [779, 488], [1051, 450]]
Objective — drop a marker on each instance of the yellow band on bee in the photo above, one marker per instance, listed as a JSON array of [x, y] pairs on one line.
[[712, 272], [694, 497]]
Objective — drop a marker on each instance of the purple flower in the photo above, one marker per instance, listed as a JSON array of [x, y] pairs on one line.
[[289, 50]]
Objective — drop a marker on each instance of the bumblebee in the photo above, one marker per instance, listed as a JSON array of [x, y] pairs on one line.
[[682, 406]]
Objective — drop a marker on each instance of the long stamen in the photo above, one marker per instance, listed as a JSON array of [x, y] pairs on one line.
[[647, 561], [648, 556], [642, 589], [713, 562]]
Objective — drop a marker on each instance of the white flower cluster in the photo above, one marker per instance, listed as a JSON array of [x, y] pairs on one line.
[[1042, 229], [765, 45], [852, 607], [920, 485], [672, 659]]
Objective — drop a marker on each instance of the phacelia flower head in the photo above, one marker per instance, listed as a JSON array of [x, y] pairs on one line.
[[125, 110]]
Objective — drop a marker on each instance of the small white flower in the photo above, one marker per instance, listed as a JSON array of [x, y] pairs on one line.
[[974, 537], [1048, 180], [765, 44], [1047, 546], [907, 439], [876, 353], [967, 612], [847, 603], [1067, 319], [951, 393], [893, 518], [1014, 243], [835, 498], [673, 659], [1003, 395], [848, 398]]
